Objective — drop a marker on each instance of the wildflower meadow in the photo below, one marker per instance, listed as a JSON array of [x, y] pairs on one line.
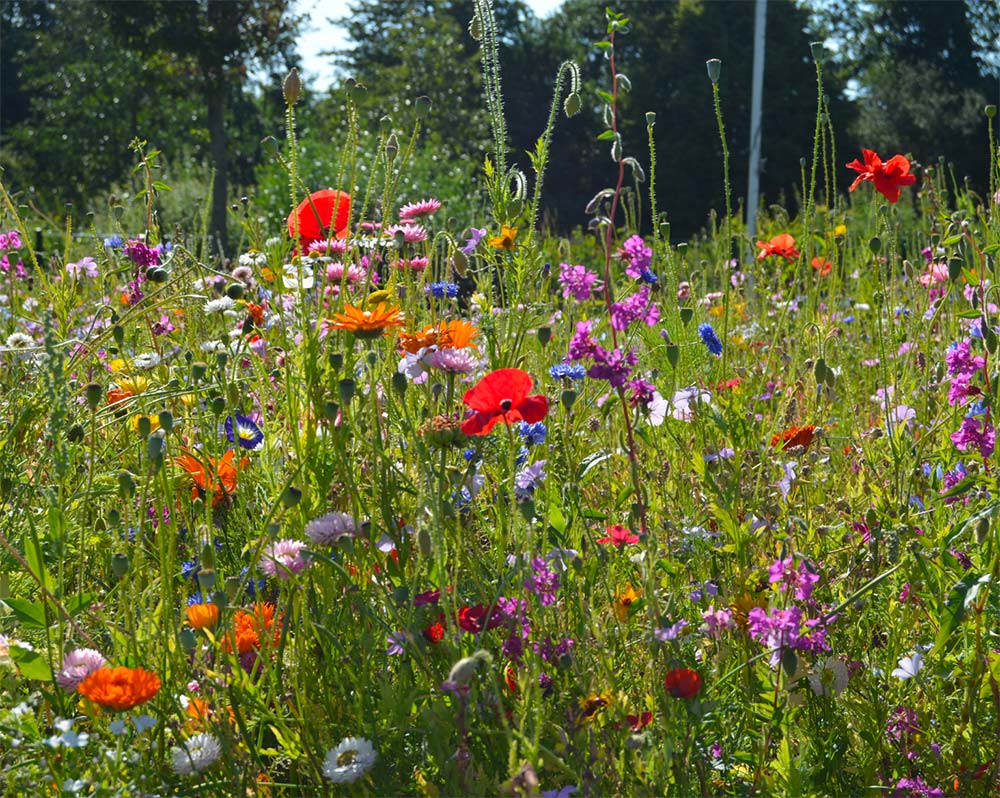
[[392, 502]]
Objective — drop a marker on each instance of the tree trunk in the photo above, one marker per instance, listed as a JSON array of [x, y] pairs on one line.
[[217, 137]]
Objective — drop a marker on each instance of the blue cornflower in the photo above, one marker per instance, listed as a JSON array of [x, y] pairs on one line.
[[976, 409], [443, 290], [113, 242], [532, 433], [567, 370], [243, 431], [522, 456], [189, 569], [197, 598], [648, 277], [710, 339]]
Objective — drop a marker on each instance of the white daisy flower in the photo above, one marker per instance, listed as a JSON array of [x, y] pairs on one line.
[[349, 761], [146, 361], [253, 258], [197, 754], [19, 340], [220, 305]]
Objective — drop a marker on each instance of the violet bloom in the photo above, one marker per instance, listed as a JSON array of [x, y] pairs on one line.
[[969, 436], [960, 360], [544, 583], [395, 643], [576, 281], [283, 559], [529, 478], [453, 361], [915, 787], [634, 308], [476, 234], [514, 614], [84, 266], [717, 620], [671, 632], [801, 579], [581, 345], [636, 255], [142, 255], [613, 366], [78, 665]]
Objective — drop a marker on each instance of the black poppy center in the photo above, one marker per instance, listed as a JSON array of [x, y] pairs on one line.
[[506, 405]]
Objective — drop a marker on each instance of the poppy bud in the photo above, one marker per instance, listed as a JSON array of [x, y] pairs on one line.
[[424, 541], [336, 360], [399, 383], [330, 411], [460, 261], [291, 496], [206, 578], [572, 104], [155, 447], [818, 51], [391, 147], [198, 369], [650, 118], [118, 333], [422, 106], [875, 245], [346, 390], [218, 405], [714, 66], [75, 433], [982, 530], [126, 485], [515, 207], [221, 359], [568, 398], [93, 393], [665, 230], [544, 335], [119, 565], [166, 419], [187, 639], [157, 275], [990, 111], [292, 87], [235, 290], [144, 426]]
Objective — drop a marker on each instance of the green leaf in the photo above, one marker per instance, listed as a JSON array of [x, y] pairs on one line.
[[80, 602], [606, 96], [557, 520], [607, 135], [961, 596], [159, 185], [951, 240], [590, 462], [31, 664], [992, 249], [673, 355], [29, 613], [33, 551]]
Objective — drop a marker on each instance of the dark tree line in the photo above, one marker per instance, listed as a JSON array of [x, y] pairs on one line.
[[78, 81]]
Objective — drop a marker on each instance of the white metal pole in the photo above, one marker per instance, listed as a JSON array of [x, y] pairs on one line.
[[756, 101]]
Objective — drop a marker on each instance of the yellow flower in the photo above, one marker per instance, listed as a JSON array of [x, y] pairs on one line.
[[506, 238], [117, 364], [154, 422], [840, 230], [592, 705], [623, 600]]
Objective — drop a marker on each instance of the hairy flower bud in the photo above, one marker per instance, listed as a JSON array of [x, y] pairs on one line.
[[292, 87], [714, 67]]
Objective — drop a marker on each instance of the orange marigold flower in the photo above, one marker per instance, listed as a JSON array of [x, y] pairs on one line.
[[250, 627], [367, 323], [120, 688], [455, 334], [783, 246], [506, 238], [202, 470], [203, 616], [794, 436]]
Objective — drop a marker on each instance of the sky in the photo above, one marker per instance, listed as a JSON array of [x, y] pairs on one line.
[[319, 34]]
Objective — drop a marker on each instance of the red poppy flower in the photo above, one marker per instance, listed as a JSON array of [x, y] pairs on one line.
[[473, 619], [888, 177], [502, 395], [435, 632], [783, 246], [822, 266], [619, 535], [683, 683], [640, 721], [315, 216]]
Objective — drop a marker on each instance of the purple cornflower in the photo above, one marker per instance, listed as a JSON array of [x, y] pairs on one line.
[[78, 665], [636, 255], [576, 281], [283, 559], [710, 339], [544, 583], [330, 528], [634, 308], [786, 575], [969, 436]]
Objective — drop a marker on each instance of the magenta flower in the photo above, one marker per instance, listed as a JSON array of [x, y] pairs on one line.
[[576, 281], [801, 579], [544, 583], [636, 255], [969, 436], [283, 559]]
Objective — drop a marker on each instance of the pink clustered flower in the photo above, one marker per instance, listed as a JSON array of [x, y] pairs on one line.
[[802, 579], [614, 366], [283, 559], [77, 665], [634, 308], [543, 583], [636, 255], [974, 434], [576, 281], [782, 629], [142, 255]]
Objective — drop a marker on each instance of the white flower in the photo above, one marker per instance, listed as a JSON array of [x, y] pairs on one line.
[[349, 761], [253, 258], [19, 340], [829, 677], [213, 347], [685, 400], [146, 361], [909, 666], [197, 754], [220, 305], [297, 278]]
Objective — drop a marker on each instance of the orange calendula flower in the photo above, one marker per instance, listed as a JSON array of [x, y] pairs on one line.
[[203, 616], [367, 323], [256, 313], [794, 436], [783, 246], [248, 627], [125, 388], [120, 688], [624, 599], [202, 470], [506, 238], [454, 334]]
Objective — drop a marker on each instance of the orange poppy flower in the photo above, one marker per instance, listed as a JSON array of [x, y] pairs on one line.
[[119, 688], [367, 323], [455, 334], [203, 616], [323, 214], [249, 626], [794, 436], [506, 238], [888, 177], [822, 266], [223, 469], [783, 246]]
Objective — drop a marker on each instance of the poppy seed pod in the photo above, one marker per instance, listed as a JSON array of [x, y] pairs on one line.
[[292, 87], [714, 67]]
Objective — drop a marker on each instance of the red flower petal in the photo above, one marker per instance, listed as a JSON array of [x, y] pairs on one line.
[[320, 223]]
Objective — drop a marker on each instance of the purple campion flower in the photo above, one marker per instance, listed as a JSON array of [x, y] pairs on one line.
[[552, 652], [717, 620], [969, 436], [544, 583], [576, 281], [781, 629], [960, 360], [283, 559], [642, 393], [78, 665], [581, 345], [915, 787], [786, 575], [514, 613], [636, 255], [142, 255], [612, 366], [476, 234], [634, 308], [328, 529]]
